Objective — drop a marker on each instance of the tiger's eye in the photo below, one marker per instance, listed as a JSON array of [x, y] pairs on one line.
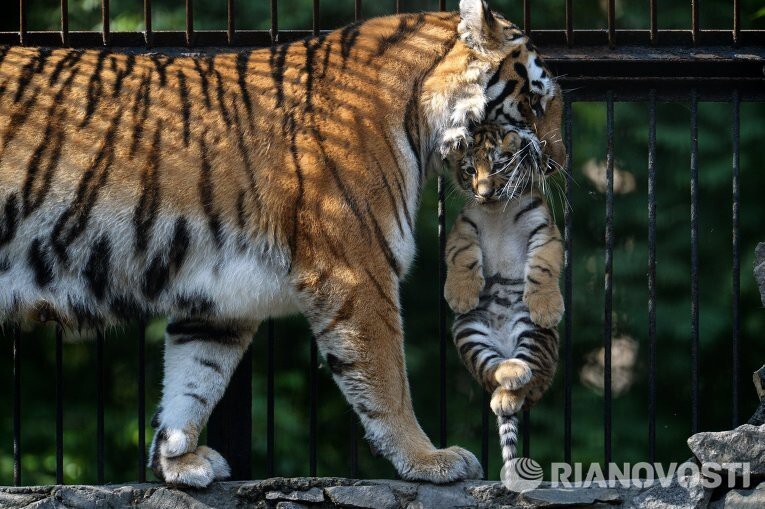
[[470, 171]]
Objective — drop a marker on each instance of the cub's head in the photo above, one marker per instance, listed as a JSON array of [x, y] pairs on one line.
[[503, 161]]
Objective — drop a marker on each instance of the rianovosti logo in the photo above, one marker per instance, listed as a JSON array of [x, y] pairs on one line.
[[523, 474]]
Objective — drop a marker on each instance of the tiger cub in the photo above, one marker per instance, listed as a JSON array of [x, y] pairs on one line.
[[504, 256]]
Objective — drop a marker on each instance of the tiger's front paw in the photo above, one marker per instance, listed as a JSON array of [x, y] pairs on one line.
[[513, 374], [505, 402], [545, 306], [442, 466], [462, 290]]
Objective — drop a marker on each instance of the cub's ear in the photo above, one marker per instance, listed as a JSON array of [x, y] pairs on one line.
[[478, 27]]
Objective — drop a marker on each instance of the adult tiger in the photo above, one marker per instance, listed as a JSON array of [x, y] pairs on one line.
[[224, 190]]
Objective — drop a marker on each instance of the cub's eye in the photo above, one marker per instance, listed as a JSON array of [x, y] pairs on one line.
[[469, 171]]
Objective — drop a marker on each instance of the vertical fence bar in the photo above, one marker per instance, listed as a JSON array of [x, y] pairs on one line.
[[611, 23], [354, 447], [485, 434], [397, 6], [442, 307], [231, 21], [736, 368], [23, 22], [694, 265], [59, 405], [570, 22], [65, 22], [274, 21], [270, 400], [17, 406], [313, 410], [100, 407], [695, 21], [607, 318], [314, 384], [147, 22], [441, 301], [527, 16], [652, 276], [654, 23], [568, 293], [142, 402], [189, 22], [106, 32], [526, 433], [357, 10], [736, 22]]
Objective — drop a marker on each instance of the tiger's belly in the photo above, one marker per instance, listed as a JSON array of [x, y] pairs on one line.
[[111, 271]]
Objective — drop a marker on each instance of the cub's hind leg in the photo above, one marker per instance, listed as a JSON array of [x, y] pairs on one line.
[[200, 358]]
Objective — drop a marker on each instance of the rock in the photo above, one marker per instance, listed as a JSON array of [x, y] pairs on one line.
[[753, 498], [565, 497], [313, 495], [743, 444], [166, 498], [684, 492], [377, 496], [291, 505], [759, 269]]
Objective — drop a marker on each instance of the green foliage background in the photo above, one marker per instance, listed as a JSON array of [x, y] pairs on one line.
[[420, 292]]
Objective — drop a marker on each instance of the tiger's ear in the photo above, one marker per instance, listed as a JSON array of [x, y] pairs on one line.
[[478, 26]]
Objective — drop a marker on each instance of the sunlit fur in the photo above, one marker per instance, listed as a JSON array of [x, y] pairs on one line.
[[224, 189], [504, 256]]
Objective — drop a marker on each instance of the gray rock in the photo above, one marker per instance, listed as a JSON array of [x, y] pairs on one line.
[[564, 497], [753, 498], [364, 497], [759, 269], [743, 444], [431, 496], [291, 505], [682, 493], [313, 495], [166, 498]]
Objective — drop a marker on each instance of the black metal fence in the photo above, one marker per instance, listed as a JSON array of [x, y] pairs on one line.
[[609, 65]]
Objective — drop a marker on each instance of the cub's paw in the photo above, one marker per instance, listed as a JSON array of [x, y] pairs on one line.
[[513, 374], [443, 466], [196, 469], [455, 142], [545, 307], [505, 402], [461, 291]]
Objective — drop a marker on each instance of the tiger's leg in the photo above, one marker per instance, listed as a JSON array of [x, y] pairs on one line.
[[464, 265], [200, 358], [542, 292], [357, 324]]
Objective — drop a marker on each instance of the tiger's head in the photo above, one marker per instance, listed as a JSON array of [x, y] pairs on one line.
[[503, 161], [493, 74]]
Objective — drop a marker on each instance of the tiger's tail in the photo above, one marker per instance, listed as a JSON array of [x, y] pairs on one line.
[[508, 436]]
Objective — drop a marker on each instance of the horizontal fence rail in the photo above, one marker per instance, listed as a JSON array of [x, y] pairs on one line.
[[608, 66]]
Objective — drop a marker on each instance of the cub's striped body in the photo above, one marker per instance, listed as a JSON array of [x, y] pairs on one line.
[[504, 257], [221, 190]]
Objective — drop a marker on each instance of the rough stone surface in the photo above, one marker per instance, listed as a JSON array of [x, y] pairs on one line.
[[753, 498], [683, 493], [314, 495], [563, 497], [743, 444], [759, 269], [364, 497]]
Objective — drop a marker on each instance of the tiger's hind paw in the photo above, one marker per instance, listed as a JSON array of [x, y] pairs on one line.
[[505, 402], [513, 374]]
